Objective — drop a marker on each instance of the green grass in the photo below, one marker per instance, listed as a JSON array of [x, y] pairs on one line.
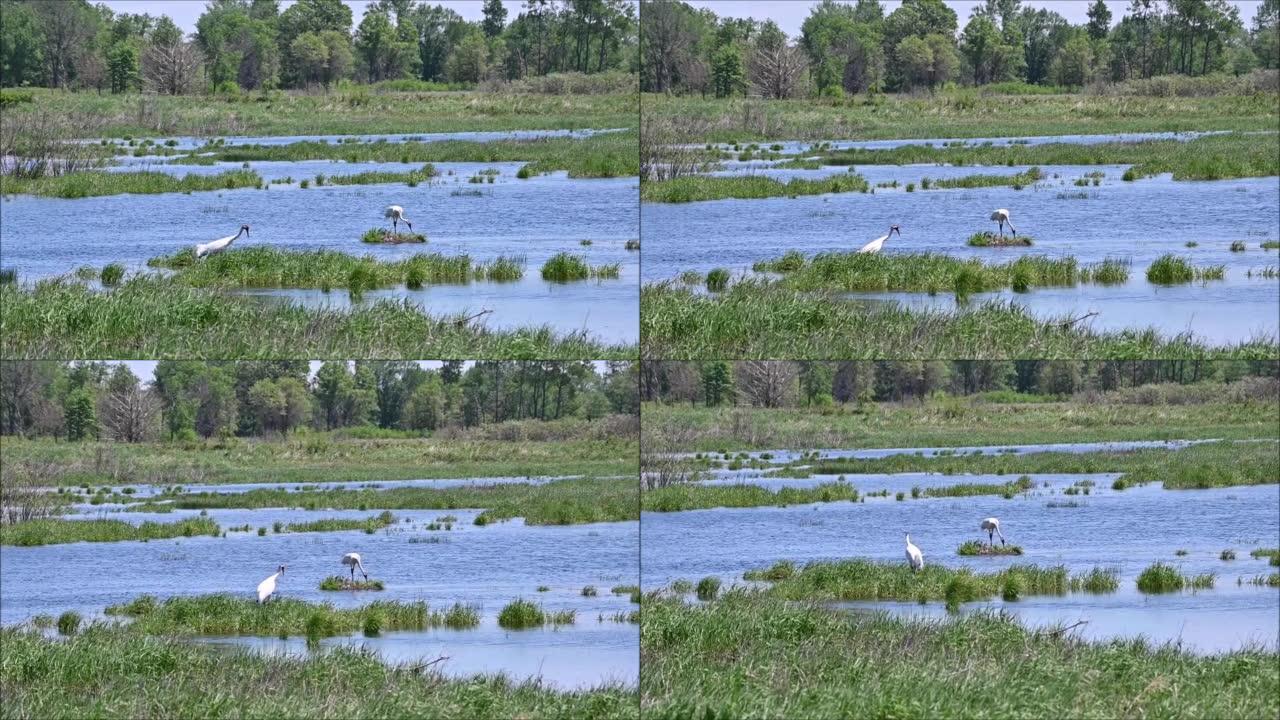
[[756, 319], [751, 654], [1272, 555], [266, 267], [114, 673], [353, 110], [565, 267], [411, 178], [973, 547], [693, 496], [1018, 180], [369, 525], [990, 239], [697, 188], [68, 623], [1161, 578], [864, 580], [222, 615], [337, 582], [1173, 270], [925, 272], [522, 614], [569, 447], [708, 587], [382, 236], [92, 183], [54, 531], [781, 570], [155, 318], [111, 274], [1269, 245], [560, 502], [606, 155]]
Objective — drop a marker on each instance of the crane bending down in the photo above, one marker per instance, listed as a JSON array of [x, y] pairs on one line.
[[875, 245], [352, 560], [1002, 216], [267, 587], [395, 214], [217, 246], [914, 557], [992, 526]]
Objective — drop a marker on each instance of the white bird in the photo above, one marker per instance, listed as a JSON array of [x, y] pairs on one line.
[[352, 560], [875, 245], [992, 526], [914, 557], [267, 587], [217, 246], [395, 214], [1002, 216]]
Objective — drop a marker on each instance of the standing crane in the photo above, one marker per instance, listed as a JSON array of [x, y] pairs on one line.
[[992, 526], [217, 246], [1002, 216], [267, 587], [395, 214], [914, 557], [874, 246], [352, 560]]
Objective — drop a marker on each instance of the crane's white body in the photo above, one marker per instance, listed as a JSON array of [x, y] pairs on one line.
[[914, 557], [395, 214], [876, 245], [992, 526], [267, 587], [1002, 216], [352, 560], [217, 246]]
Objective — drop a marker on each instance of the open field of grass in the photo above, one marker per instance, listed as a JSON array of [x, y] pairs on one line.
[[1163, 412], [561, 502], [115, 673], [575, 447], [750, 654], [91, 183], [268, 267], [611, 154], [154, 318], [52, 531], [219, 615], [695, 188], [962, 114], [934, 272], [353, 111], [759, 319]]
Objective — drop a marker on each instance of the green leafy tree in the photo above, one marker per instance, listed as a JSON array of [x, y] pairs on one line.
[[80, 416], [495, 18], [22, 44], [468, 63], [1099, 20], [717, 383], [122, 67], [915, 62], [727, 70]]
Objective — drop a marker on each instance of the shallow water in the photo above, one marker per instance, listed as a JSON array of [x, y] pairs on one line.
[[782, 456], [189, 143], [792, 147], [483, 565], [534, 219], [143, 490], [1135, 221], [1127, 530]]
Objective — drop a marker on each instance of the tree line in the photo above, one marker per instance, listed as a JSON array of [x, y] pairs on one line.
[[253, 45], [846, 48], [781, 383], [191, 399]]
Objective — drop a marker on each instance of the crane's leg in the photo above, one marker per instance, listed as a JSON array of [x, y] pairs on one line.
[[1001, 228]]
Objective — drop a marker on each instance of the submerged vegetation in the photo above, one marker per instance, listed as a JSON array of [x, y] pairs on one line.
[[52, 531]]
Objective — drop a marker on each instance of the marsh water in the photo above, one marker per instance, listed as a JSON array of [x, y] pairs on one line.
[[487, 566], [1126, 530], [533, 219], [1131, 221]]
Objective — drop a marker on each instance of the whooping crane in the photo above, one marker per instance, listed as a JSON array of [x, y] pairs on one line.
[[1002, 216], [992, 526], [914, 557], [217, 246], [352, 560], [267, 587], [395, 214], [875, 245]]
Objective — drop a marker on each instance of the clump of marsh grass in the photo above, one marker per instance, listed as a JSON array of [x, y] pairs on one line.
[[1097, 580], [624, 589], [681, 587], [68, 623], [337, 582], [112, 274], [1237, 246], [521, 614], [1172, 270], [976, 548], [631, 245], [1162, 578], [922, 272], [8, 276], [697, 188], [1110, 271], [708, 588], [502, 269], [1269, 245], [990, 239], [52, 531], [1272, 555], [370, 524], [383, 236], [717, 280], [1272, 580], [780, 570], [589, 591], [1227, 555], [565, 267]]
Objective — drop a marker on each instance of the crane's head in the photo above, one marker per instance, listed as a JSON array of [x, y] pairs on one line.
[[244, 229], [281, 569], [895, 229]]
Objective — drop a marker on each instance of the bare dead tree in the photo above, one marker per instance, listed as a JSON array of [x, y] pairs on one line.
[[170, 69], [131, 415], [777, 71], [770, 384]]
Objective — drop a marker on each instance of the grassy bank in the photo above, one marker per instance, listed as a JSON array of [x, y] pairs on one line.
[[1165, 412], [933, 272], [749, 654], [267, 267], [696, 188], [119, 674], [91, 183], [153, 318], [561, 502], [56, 531], [584, 448], [758, 319], [221, 615], [960, 114], [611, 154], [356, 110]]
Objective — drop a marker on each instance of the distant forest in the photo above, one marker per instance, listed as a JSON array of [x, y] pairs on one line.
[[253, 45], [189, 399], [781, 383], [856, 47]]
